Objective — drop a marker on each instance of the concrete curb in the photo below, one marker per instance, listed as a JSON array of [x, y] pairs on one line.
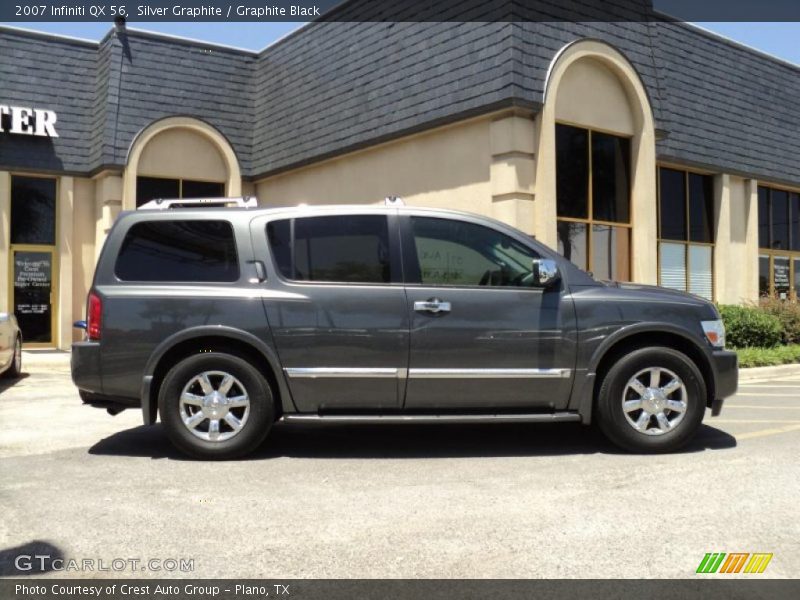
[[767, 373]]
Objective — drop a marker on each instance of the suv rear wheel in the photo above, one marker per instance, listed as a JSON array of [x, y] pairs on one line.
[[651, 400], [216, 405]]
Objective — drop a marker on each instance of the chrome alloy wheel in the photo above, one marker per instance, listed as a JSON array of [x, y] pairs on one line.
[[214, 406], [654, 401]]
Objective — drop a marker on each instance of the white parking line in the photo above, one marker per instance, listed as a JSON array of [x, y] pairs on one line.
[[752, 421], [769, 381], [771, 386], [765, 395], [729, 405]]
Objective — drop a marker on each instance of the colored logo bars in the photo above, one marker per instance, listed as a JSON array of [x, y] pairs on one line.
[[736, 562]]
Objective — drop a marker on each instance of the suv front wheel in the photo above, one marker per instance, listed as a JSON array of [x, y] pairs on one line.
[[651, 400], [215, 406]]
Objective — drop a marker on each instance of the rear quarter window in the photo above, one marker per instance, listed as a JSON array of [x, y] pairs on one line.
[[179, 251], [333, 249]]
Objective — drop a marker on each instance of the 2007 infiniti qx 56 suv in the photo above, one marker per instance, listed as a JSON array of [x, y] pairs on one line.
[[225, 320]]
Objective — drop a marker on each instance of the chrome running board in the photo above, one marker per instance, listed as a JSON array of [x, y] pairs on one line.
[[558, 417]]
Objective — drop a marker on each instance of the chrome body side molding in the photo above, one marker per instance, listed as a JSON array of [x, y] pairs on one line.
[[370, 372], [489, 373], [315, 372]]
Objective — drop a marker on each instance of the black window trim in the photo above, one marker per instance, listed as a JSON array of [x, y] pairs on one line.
[[411, 260], [56, 210], [395, 251], [790, 194], [180, 181], [589, 221], [687, 243], [772, 253], [178, 283]]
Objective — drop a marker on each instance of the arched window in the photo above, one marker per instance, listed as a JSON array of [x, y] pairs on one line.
[[180, 157]]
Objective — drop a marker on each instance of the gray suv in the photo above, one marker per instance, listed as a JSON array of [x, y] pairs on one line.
[[226, 320]]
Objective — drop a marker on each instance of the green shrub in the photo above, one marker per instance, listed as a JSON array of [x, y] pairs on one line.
[[750, 326], [789, 315], [768, 357]]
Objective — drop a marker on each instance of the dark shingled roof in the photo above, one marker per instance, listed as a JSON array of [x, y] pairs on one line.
[[47, 72], [333, 87], [728, 107]]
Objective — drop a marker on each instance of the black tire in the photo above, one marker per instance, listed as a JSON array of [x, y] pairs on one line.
[[14, 370], [611, 417], [256, 425]]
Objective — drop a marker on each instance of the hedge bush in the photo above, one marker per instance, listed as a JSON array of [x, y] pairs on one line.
[[747, 326], [789, 315], [768, 357]]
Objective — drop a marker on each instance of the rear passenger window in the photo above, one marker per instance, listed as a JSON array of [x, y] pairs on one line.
[[179, 251], [351, 248]]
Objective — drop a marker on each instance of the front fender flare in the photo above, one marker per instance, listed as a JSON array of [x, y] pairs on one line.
[[583, 392]]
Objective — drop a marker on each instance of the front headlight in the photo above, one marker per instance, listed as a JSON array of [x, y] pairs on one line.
[[715, 332]]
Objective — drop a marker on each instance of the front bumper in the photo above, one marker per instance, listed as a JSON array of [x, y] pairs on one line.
[[726, 380]]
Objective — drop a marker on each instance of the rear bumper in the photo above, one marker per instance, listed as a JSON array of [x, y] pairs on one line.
[[85, 366], [726, 370], [87, 376]]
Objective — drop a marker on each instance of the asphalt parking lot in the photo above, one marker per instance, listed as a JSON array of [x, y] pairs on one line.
[[500, 501]]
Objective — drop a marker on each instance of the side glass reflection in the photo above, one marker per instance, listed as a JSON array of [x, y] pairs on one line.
[[572, 242], [611, 253]]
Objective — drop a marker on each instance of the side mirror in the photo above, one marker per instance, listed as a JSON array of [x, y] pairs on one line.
[[545, 272]]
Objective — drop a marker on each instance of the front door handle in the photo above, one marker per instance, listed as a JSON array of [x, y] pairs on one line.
[[433, 305]]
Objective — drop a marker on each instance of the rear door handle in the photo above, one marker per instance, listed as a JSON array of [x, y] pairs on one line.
[[433, 305]]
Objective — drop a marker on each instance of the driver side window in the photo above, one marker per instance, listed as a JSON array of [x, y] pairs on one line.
[[463, 254]]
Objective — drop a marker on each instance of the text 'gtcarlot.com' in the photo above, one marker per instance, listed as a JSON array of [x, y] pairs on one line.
[[45, 563]]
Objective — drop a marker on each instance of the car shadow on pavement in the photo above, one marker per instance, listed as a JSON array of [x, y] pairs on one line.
[[406, 441], [7, 383]]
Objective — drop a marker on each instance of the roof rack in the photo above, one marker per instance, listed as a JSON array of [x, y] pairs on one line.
[[393, 201], [167, 203]]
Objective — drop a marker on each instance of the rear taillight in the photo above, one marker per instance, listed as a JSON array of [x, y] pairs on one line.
[[94, 316]]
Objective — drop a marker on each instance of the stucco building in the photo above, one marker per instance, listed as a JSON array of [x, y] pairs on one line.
[[651, 150]]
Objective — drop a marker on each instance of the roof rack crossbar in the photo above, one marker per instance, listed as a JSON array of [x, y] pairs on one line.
[[167, 203]]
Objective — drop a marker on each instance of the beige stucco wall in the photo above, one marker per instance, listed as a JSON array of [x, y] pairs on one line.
[[83, 244], [184, 154], [591, 95], [484, 165], [107, 205], [62, 293], [446, 168], [513, 169]]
